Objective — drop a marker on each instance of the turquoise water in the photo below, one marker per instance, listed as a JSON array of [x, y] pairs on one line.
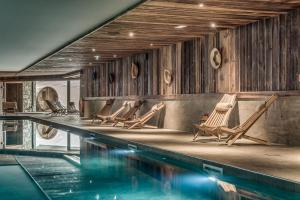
[[106, 172], [15, 184]]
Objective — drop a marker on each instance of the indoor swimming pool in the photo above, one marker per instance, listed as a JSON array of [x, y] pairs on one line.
[[89, 168]]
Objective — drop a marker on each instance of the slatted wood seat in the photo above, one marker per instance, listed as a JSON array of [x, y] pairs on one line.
[[130, 114], [141, 121], [105, 110], [241, 130], [112, 117], [218, 118]]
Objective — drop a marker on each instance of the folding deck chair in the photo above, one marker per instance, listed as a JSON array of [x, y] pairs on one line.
[[55, 110], [218, 118], [72, 109], [241, 130], [140, 122], [105, 110], [111, 118], [130, 114]]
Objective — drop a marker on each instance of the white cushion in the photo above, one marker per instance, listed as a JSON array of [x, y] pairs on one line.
[[223, 107]]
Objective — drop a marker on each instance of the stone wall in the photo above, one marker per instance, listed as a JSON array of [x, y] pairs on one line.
[[28, 93]]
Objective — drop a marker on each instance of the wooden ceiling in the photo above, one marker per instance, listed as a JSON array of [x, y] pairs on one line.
[[153, 24]]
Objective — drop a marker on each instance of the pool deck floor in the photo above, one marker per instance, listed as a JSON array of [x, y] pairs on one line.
[[276, 160]]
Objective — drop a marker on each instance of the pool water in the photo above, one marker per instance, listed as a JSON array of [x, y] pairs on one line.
[[105, 171]]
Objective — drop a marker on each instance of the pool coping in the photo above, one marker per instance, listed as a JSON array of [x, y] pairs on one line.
[[228, 170]]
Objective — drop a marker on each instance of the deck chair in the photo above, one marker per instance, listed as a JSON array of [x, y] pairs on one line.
[[62, 108], [218, 118], [55, 110], [111, 118], [130, 114], [241, 130], [105, 110], [140, 122], [72, 109]]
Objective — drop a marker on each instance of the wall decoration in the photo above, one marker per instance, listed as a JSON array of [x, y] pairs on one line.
[[134, 70], [215, 58], [111, 78], [46, 93], [168, 76], [94, 75]]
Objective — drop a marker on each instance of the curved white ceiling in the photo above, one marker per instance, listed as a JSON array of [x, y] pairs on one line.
[[30, 29]]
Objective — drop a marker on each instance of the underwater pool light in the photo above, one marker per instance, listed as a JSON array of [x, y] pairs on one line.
[[212, 178]]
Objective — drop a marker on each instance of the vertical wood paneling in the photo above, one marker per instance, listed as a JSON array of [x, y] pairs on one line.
[[262, 56]]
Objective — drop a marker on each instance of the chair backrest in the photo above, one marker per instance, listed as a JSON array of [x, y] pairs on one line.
[[221, 113], [120, 110], [105, 110], [72, 106], [59, 105], [261, 109], [152, 111], [132, 110], [51, 106], [9, 107]]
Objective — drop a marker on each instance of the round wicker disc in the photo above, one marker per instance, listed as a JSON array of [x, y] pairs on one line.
[[134, 71], [46, 132], [215, 58], [167, 76], [47, 93]]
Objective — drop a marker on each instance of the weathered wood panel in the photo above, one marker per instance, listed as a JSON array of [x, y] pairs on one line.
[[268, 53], [188, 61]]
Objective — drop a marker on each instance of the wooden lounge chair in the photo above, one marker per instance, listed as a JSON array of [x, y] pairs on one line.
[[62, 108], [130, 114], [55, 110], [111, 118], [218, 118], [241, 130], [140, 122], [72, 109], [105, 110]]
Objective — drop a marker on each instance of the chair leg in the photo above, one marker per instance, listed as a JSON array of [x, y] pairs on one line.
[[233, 140], [196, 135], [257, 140]]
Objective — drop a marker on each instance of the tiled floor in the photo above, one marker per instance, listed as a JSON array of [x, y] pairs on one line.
[[276, 160]]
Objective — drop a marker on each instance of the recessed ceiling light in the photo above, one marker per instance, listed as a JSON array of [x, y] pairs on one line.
[[151, 44], [131, 34], [114, 55], [201, 5], [70, 59], [90, 63], [213, 25], [180, 26], [97, 57], [93, 50]]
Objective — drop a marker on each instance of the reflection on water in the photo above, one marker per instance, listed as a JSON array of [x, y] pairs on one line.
[[107, 172], [24, 134]]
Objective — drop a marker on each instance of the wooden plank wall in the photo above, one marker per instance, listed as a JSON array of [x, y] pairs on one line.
[[188, 61], [261, 56], [267, 54]]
